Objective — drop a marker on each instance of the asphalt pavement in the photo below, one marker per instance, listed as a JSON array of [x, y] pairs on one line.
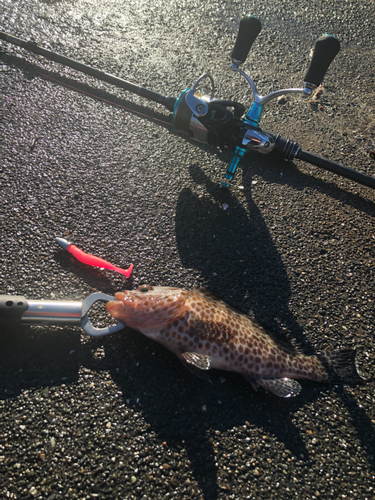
[[119, 417]]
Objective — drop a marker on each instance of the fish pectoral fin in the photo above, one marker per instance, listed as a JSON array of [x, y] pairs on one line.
[[200, 361], [282, 387], [194, 370]]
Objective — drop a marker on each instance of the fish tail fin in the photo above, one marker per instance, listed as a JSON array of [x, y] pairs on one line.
[[341, 366]]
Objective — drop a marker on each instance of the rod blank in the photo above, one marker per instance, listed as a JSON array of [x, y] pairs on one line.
[[168, 102]]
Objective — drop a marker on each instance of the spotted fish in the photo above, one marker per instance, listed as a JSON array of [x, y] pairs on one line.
[[204, 332]]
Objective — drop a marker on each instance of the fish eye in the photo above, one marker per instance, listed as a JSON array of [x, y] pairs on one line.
[[145, 288]]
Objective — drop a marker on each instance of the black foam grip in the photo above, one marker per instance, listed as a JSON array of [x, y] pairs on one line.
[[250, 27], [326, 48]]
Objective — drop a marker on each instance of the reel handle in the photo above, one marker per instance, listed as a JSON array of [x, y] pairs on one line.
[[249, 29], [326, 48]]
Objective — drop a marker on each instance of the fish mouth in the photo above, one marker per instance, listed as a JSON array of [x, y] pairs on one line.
[[115, 308], [142, 312]]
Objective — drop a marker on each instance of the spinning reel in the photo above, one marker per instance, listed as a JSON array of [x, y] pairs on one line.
[[219, 123]]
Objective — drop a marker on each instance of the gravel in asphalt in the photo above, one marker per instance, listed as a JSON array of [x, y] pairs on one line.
[[119, 417]]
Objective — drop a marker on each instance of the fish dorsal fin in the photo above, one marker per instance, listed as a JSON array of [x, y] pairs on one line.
[[282, 387], [201, 361], [203, 291]]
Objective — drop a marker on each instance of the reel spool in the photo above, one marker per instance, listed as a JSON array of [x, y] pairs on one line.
[[183, 120], [206, 119], [185, 113]]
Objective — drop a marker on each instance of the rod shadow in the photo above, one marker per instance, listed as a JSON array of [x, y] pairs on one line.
[[234, 253], [31, 71]]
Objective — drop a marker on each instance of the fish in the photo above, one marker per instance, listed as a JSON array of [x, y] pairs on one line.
[[204, 333]]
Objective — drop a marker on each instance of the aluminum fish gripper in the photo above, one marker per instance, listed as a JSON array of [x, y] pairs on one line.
[[56, 312]]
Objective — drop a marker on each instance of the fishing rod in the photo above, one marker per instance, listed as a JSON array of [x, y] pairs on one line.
[[223, 123]]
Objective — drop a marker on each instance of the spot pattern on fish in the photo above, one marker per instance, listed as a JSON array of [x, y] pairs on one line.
[[205, 332]]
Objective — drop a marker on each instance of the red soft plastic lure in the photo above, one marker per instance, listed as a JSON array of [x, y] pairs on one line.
[[91, 260]]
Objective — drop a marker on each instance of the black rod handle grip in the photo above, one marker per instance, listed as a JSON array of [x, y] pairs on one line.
[[12, 307], [249, 29], [288, 150], [326, 48]]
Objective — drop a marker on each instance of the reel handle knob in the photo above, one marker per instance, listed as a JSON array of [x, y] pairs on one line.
[[326, 48], [249, 29]]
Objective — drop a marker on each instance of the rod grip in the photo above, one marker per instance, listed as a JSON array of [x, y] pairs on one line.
[[12, 307], [326, 48], [249, 29]]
